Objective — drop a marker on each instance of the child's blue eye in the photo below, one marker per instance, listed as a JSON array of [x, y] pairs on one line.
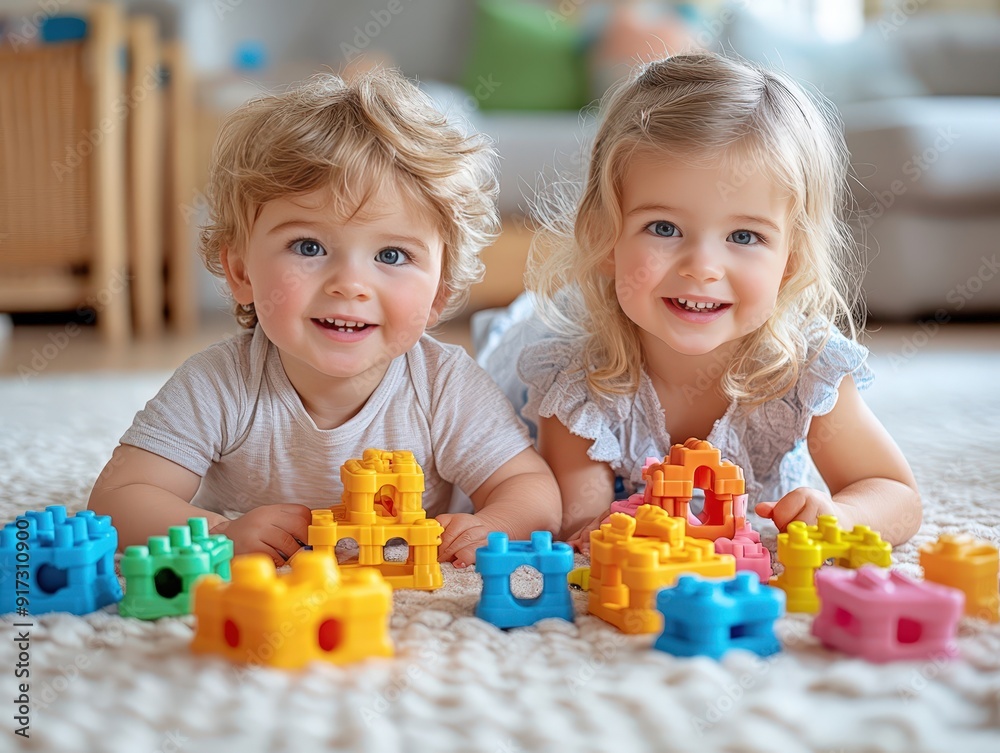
[[744, 237], [663, 229], [306, 247], [392, 256]]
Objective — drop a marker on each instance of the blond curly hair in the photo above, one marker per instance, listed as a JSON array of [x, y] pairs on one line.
[[700, 107], [351, 136]]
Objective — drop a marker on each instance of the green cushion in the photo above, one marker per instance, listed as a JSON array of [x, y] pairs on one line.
[[525, 57]]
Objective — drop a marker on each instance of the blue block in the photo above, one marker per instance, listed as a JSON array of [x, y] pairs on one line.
[[69, 562], [500, 557], [704, 617]]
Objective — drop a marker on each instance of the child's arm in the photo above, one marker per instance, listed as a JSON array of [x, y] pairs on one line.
[[870, 481], [521, 496], [587, 486], [145, 494]]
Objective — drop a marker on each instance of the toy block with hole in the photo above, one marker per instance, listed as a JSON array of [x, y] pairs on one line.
[[316, 612], [382, 500], [496, 561], [159, 577], [711, 617], [803, 549], [968, 564], [51, 562], [697, 464], [881, 615], [632, 558]]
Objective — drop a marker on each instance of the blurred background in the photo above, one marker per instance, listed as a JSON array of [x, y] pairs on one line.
[[109, 111]]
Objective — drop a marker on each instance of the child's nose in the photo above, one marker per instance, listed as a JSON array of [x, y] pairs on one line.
[[702, 262], [347, 279]]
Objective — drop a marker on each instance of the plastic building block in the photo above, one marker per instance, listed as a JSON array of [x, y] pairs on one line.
[[579, 578], [710, 617], [670, 484], [382, 501], [315, 612], [500, 557], [971, 566], [632, 558], [803, 549], [65, 564], [750, 555], [882, 615], [159, 576]]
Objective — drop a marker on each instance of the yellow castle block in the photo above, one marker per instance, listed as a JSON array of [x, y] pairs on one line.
[[383, 500], [632, 558], [802, 549], [314, 613], [970, 565]]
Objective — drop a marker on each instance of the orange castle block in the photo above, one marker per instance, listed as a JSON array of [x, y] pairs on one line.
[[315, 612], [803, 549], [698, 464], [632, 558], [382, 500], [971, 566]]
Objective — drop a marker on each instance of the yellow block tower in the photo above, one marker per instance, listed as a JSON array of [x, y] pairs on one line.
[[382, 500], [313, 613], [631, 558], [802, 549]]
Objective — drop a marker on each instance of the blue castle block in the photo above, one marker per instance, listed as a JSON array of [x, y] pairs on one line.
[[69, 561], [500, 557], [710, 617]]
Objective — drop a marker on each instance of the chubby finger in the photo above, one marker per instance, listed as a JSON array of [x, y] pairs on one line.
[[465, 556], [764, 509], [282, 542], [466, 539]]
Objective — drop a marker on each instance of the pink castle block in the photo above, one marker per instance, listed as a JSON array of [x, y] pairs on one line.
[[750, 555], [884, 616]]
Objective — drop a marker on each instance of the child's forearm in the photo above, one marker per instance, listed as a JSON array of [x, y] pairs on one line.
[[522, 504], [889, 507], [139, 511]]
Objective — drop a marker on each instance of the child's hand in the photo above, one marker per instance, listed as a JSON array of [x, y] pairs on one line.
[[463, 535], [276, 530], [806, 505], [581, 539]]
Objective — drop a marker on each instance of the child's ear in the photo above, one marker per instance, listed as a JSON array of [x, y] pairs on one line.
[[236, 275], [439, 304]]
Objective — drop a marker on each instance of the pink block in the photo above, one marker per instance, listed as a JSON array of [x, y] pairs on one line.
[[750, 555], [882, 615]]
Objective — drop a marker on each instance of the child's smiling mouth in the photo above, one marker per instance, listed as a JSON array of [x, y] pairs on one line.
[[691, 311], [343, 325]]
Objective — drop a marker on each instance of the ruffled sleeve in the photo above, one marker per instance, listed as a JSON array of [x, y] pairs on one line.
[[817, 388], [554, 373]]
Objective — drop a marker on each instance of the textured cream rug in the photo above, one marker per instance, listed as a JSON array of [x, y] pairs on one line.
[[102, 683]]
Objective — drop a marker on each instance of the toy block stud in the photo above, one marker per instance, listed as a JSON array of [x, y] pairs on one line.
[[881, 615], [159, 577], [803, 549], [971, 566], [51, 562], [496, 561], [382, 501], [315, 612], [710, 617]]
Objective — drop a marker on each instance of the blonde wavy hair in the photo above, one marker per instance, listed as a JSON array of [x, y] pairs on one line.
[[698, 107], [351, 136]]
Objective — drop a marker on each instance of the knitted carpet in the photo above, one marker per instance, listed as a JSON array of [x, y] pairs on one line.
[[104, 683]]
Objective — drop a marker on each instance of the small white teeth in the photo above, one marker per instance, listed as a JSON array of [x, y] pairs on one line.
[[344, 325], [698, 306]]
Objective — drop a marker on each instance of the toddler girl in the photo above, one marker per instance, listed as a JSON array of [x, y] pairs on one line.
[[346, 219], [695, 290]]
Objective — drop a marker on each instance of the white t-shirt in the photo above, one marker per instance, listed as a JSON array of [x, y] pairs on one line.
[[230, 415]]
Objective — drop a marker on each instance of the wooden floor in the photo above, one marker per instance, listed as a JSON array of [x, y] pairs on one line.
[[32, 350]]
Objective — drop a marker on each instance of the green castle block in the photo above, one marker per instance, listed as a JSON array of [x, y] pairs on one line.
[[160, 576]]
